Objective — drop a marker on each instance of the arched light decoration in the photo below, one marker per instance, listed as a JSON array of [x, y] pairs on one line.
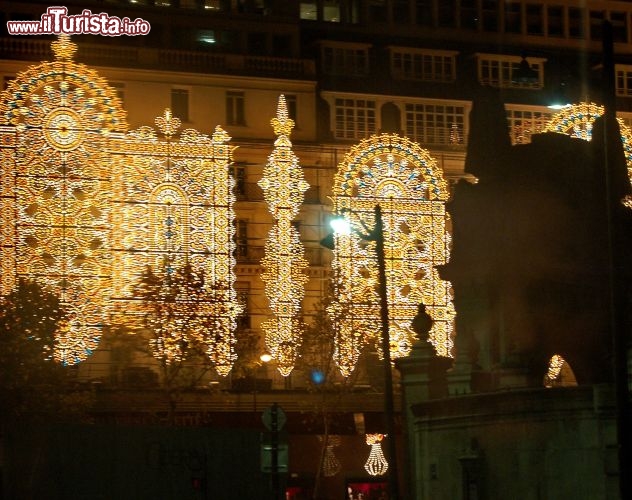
[[284, 263], [376, 464], [406, 182], [559, 373], [55, 191], [175, 209], [577, 121]]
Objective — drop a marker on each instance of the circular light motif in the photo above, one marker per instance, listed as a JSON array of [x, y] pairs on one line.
[[63, 129]]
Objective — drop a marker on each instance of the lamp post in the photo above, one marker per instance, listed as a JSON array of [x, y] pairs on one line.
[[377, 235]]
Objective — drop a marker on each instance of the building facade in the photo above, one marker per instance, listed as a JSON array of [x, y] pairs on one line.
[[348, 69]]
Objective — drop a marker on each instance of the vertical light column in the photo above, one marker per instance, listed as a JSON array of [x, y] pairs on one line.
[[284, 262]]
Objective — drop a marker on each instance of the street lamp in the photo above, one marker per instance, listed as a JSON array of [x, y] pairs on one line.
[[342, 226]]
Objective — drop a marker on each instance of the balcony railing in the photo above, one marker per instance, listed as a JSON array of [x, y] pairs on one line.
[[147, 57], [250, 191]]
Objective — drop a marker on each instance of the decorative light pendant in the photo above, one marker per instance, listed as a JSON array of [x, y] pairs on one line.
[[376, 464]]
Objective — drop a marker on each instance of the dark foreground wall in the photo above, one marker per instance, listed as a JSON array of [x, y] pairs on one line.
[[97, 462]]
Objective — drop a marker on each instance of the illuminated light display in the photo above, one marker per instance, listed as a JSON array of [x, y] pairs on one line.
[[376, 464], [87, 207], [284, 263], [577, 121], [554, 370], [331, 465], [55, 191], [408, 185], [176, 210]]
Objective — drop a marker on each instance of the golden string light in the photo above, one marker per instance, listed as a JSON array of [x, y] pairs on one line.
[[577, 121], [87, 207], [55, 191], [331, 465], [176, 210], [284, 263], [376, 464], [409, 186]]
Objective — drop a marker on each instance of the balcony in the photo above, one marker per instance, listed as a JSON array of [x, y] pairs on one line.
[[108, 54]]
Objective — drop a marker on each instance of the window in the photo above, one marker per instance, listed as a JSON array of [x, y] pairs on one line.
[[309, 10], [331, 11], [619, 22], [424, 13], [535, 21], [497, 71], [239, 174], [490, 15], [346, 60], [180, 104], [575, 22], [596, 25], [555, 22], [354, 118], [377, 11], [235, 104], [241, 239], [435, 123], [292, 110], [243, 297], [469, 14], [523, 123], [401, 11], [429, 66], [513, 18], [447, 10], [623, 80]]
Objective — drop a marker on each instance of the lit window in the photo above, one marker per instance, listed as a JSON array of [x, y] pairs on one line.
[[347, 59], [498, 71], [206, 37], [243, 297], [331, 11], [623, 81], [235, 105], [422, 65], [309, 11], [354, 118], [435, 123], [180, 104]]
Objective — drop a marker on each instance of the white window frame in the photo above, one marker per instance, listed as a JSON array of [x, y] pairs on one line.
[[411, 64], [623, 79], [339, 58], [524, 121], [504, 66], [426, 128], [354, 117]]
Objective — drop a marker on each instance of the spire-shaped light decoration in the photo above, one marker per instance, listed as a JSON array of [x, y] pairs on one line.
[[284, 263], [376, 464], [409, 186]]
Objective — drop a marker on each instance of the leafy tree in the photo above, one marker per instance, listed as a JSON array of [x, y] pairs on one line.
[[177, 318], [32, 384]]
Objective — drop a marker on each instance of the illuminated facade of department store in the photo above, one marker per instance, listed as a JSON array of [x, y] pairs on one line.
[[227, 139]]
